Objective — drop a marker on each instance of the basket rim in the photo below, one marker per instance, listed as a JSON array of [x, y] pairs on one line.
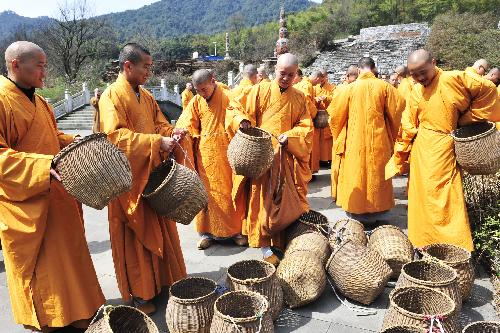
[[492, 130], [429, 283], [347, 219], [166, 180], [109, 308], [266, 136], [417, 315], [236, 319], [254, 280], [423, 330], [451, 262], [482, 322], [63, 152], [192, 300]]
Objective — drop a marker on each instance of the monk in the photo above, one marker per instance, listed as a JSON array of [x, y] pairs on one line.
[[371, 110], [246, 84], [262, 75], [393, 80], [306, 85], [479, 68], [52, 282], [94, 101], [338, 148], [204, 119], [187, 95], [440, 102], [324, 93], [145, 246], [280, 109], [494, 76]]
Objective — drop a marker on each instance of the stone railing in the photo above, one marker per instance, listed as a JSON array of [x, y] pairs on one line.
[[71, 103], [162, 93]]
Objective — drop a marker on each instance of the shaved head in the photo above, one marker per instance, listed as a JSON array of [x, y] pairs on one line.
[[402, 71], [422, 66], [26, 64], [481, 66], [493, 75], [351, 73], [315, 77], [204, 83], [286, 69], [262, 73]]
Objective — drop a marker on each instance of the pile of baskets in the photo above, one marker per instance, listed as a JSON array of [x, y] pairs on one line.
[[254, 301]]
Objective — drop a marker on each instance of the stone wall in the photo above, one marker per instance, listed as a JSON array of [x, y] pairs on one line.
[[389, 46]]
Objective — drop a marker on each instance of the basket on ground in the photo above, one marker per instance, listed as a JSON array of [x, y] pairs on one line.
[[312, 221], [393, 245], [93, 170], [404, 329], [250, 152], [346, 229], [242, 312], [302, 277], [477, 148], [457, 258], [121, 318], [258, 276], [321, 119], [483, 327], [176, 192], [418, 306], [312, 242], [432, 274], [358, 272], [190, 307]]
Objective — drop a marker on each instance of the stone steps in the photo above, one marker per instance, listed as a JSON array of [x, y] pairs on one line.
[[78, 120]]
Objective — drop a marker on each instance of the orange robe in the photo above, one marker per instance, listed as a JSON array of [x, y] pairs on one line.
[[325, 135], [186, 96], [371, 110], [436, 205], [305, 85], [50, 275], [146, 247], [222, 85], [278, 113], [242, 89], [405, 87], [205, 122]]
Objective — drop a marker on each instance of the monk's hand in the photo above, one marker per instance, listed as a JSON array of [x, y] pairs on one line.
[[179, 134], [283, 140], [245, 124], [77, 138], [55, 174], [167, 144]]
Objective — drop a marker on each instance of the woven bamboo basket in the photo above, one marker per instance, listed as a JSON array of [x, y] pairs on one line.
[[483, 327], [312, 221], [321, 119], [242, 312], [93, 170], [393, 245], [302, 277], [358, 272], [477, 148], [190, 307], [404, 329], [250, 152], [176, 192], [314, 243], [414, 306], [258, 276], [432, 274], [120, 319], [457, 258], [347, 229]]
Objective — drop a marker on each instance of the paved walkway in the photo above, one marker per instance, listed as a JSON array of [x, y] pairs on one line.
[[326, 315]]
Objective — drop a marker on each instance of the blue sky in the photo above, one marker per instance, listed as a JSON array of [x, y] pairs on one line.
[[49, 7]]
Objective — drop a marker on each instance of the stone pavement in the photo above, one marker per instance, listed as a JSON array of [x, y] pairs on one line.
[[326, 315]]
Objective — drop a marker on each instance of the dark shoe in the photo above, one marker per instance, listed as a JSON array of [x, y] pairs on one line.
[[241, 240], [205, 243]]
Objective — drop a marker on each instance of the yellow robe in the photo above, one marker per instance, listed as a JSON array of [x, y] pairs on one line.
[[222, 85], [50, 275], [146, 247], [305, 85], [287, 114], [436, 205], [371, 109], [405, 87], [186, 96], [325, 135], [206, 123], [242, 89]]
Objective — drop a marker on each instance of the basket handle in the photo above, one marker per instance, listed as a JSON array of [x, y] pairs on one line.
[[354, 308], [437, 320], [101, 308]]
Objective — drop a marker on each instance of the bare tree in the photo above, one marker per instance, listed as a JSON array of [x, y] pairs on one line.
[[76, 38]]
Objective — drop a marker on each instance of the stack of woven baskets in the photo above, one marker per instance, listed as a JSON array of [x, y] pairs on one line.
[[302, 270]]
